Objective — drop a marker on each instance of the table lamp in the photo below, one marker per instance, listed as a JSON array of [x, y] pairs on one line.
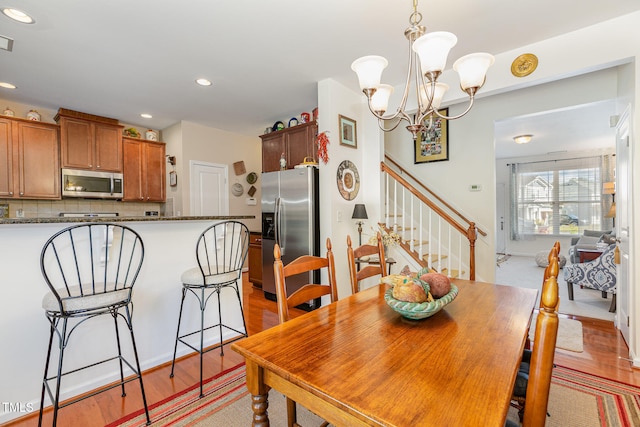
[[359, 213]]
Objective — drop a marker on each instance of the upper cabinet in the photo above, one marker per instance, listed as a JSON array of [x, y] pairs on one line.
[[29, 160], [144, 171], [90, 142], [296, 143]]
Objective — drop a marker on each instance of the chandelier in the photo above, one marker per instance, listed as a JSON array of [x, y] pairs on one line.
[[427, 57]]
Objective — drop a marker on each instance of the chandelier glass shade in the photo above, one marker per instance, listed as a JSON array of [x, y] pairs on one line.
[[428, 54]]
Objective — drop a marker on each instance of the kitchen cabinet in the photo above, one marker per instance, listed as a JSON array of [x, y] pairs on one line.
[[296, 143], [144, 170], [90, 142], [255, 258], [29, 160]]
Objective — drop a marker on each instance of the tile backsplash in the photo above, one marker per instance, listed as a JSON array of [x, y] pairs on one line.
[[53, 208]]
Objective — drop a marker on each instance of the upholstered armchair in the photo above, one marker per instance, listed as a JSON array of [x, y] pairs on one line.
[[598, 274]]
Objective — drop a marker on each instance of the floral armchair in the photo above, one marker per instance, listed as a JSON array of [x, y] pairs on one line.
[[598, 274]]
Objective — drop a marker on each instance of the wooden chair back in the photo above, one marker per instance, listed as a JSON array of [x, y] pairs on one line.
[[544, 346], [553, 268], [369, 270], [309, 291]]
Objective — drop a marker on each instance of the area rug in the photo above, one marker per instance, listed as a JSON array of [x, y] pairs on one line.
[[226, 404], [576, 399], [569, 334]]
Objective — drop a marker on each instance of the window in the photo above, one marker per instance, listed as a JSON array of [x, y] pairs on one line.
[[558, 197]]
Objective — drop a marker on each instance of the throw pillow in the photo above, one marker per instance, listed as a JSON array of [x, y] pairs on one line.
[[588, 240]]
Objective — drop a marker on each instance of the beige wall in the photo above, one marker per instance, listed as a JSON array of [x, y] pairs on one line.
[[190, 141]]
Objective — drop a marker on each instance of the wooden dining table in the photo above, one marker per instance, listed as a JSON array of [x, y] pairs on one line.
[[358, 362]]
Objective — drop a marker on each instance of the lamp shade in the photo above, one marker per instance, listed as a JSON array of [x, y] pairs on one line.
[[608, 188], [359, 212], [472, 69], [380, 99], [369, 70], [612, 211], [433, 49], [436, 98]]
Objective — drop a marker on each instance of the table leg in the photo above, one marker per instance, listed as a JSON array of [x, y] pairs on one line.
[[259, 394], [259, 405]]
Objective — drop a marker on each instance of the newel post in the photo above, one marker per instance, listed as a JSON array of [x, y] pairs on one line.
[[472, 236]]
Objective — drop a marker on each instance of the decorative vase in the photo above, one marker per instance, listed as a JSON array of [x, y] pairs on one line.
[[33, 115], [151, 135], [8, 112]]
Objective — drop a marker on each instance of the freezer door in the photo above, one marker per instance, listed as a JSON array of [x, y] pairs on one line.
[[270, 190]]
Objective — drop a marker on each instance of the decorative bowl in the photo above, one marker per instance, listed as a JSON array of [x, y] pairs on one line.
[[419, 310]]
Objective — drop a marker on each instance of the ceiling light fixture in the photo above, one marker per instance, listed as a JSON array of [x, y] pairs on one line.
[[428, 54], [7, 85], [146, 115], [18, 15], [204, 82], [522, 139]]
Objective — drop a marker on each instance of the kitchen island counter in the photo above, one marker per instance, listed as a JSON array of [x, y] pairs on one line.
[[59, 219], [169, 244]]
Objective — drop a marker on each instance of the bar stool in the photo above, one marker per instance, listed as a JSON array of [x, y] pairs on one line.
[[220, 252], [90, 270]]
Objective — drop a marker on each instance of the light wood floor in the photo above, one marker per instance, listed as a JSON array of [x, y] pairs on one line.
[[604, 354]]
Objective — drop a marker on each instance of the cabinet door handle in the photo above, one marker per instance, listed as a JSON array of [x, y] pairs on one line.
[[11, 193], [22, 193]]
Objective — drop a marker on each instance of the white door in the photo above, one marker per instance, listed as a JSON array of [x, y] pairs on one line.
[[623, 189], [209, 189]]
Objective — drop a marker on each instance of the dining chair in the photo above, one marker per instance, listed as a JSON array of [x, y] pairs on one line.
[[303, 264], [355, 273], [520, 394], [90, 270], [221, 251]]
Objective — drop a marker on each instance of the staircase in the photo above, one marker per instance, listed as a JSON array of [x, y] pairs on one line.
[[430, 231]]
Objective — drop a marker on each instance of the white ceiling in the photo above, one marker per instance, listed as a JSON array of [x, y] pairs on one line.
[[120, 58]]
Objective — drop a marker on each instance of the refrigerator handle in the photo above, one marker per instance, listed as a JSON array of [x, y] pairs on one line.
[[276, 222]]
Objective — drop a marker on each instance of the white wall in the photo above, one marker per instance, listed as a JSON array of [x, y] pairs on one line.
[[336, 222]]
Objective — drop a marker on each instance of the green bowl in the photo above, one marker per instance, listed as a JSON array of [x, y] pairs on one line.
[[419, 310]]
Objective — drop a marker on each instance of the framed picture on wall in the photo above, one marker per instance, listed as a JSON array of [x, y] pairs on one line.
[[432, 145], [347, 131]]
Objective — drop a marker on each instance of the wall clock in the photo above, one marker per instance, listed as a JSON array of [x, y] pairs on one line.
[[348, 180]]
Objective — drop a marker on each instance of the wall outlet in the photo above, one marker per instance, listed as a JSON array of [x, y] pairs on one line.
[[475, 187], [251, 201]]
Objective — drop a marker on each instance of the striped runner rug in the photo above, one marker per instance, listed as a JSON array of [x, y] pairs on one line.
[[577, 399]]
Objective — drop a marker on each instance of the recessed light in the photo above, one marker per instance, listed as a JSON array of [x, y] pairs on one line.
[[146, 115], [7, 85], [18, 15], [522, 139], [204, 82]]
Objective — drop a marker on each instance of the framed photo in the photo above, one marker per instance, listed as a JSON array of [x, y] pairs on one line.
[[432, 145], [347, 131]]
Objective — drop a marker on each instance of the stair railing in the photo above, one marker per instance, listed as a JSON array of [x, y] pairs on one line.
[[432, 232]]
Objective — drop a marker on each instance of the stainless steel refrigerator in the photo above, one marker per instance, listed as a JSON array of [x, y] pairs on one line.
[[290, 217]]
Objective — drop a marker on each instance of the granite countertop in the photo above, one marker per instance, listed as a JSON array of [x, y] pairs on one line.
[[54, 220]]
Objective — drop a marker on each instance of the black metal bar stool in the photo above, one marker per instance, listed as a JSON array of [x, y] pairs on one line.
[[220, 251], [90, 270]]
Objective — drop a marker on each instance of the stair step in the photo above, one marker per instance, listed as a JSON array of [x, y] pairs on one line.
[[417, 242], [431, 258], [454, 273], [393, 215]]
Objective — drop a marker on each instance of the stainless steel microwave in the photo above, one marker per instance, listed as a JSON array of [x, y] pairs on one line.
[[91, 184]]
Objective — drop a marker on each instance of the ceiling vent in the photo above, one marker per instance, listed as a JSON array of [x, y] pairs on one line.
[[6, 43]]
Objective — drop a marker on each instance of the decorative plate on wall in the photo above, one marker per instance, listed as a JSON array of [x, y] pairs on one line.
[[348, 180]]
